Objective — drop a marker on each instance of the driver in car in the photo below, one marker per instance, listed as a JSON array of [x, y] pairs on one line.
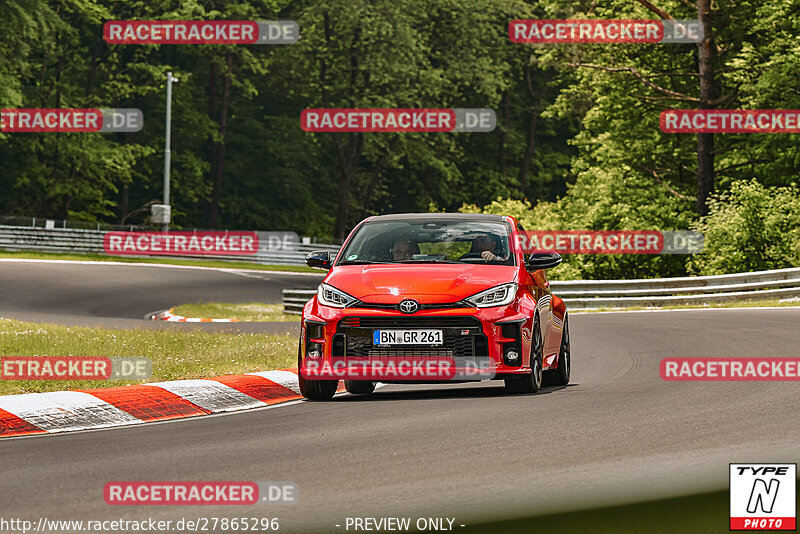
[[404, 249], [486, 246]]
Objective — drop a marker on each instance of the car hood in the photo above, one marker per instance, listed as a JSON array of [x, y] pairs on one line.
[[428, 283]]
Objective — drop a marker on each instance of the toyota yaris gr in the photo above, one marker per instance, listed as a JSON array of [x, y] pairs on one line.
[[455, 288]]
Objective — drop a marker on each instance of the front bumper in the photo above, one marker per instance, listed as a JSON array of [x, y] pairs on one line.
[[490, 334]]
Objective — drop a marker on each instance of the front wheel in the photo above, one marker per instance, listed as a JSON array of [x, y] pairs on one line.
[[530, 383], [560, 375], [364, 387], [320, 390]]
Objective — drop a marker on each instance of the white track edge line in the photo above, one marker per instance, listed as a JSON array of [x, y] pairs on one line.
[[175, 420], [580, 312], [162, 265]]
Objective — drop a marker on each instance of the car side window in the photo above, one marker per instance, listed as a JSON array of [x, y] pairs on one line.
[[523, 239]]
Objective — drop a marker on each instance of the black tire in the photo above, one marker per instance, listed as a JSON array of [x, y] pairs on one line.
[[364, 387], [560, 375], [530, 383], [320, 390]]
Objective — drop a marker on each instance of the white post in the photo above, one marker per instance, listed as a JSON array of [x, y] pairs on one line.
[[170, 79]]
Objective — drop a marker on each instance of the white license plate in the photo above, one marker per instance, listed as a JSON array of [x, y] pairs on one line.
[[407, 337]]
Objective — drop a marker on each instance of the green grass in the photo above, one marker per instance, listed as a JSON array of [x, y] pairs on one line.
[[259, 311], [175, 354], [251, 312], [739, 304], [704, 513], [161, 261]]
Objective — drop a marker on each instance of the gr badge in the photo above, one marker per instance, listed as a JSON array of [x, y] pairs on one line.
[[763, 496]]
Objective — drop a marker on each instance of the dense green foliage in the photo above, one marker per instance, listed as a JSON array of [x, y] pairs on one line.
[[577, 143], [750, 228]]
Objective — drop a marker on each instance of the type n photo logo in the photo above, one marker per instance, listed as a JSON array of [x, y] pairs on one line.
[[763, 496]]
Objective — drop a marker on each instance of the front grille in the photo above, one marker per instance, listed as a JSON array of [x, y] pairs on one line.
[[436, 306], [462, 336], [410, 322], [408, 352]]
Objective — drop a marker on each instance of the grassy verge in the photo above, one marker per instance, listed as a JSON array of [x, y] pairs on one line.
[[704, 513], [251, 312], [259, 311], [175, 354], [787, 303], [162, 261]]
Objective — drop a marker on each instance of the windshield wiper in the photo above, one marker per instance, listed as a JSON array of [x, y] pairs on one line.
[[359, 262], [425, 261]]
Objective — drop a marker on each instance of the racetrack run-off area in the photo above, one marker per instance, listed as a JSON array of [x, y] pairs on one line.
[[616, 434]]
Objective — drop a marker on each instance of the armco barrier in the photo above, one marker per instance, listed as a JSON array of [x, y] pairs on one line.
[[71, 240], [589, 294]]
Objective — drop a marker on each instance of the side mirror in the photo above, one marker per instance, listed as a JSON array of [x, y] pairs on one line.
[[320, 259], [543, 260]]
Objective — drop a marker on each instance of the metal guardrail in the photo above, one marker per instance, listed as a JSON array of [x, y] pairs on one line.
[[42, 222], [295, 299], [77, 241], [780, 283], [591, 294]]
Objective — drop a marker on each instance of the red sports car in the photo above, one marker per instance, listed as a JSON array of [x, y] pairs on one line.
[[413, 289]]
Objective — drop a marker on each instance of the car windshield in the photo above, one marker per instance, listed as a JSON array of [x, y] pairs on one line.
[[430, 241]]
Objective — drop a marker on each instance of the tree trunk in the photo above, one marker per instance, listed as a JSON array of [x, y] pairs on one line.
[[210, 145], [530, 136], [123, 208], [350, 152], [348, 160], [705, 141], [501, 155], [530, 148], [342, 208], [219, 171]]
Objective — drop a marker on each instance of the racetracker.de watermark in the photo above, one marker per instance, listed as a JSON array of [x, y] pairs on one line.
[[70, 120], [548, 31], [730, 121], [613, 241], [400, 368], [188, 243], [201, 32], [398, 120], [194, 493], [730, 369], [75, 368]]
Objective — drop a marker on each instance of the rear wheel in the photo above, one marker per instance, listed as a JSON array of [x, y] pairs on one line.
[[560, 375], [530, 383], [364, 387]]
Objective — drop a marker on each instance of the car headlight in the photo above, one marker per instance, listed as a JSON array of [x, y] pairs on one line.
[[335, 298], [497, 296]]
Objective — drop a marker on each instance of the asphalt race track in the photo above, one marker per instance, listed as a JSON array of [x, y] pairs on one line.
[[119, 296], [617, 434]]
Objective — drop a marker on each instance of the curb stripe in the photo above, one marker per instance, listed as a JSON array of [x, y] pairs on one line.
[[287, 379], [60, 411], [170, 317], [147, 403], [11, 425], [259, 388], [210, 395]]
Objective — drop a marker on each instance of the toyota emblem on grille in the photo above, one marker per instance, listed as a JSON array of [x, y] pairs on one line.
[[408, 306]]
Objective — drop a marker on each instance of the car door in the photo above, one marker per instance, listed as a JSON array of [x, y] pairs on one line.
[[539, 288]]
